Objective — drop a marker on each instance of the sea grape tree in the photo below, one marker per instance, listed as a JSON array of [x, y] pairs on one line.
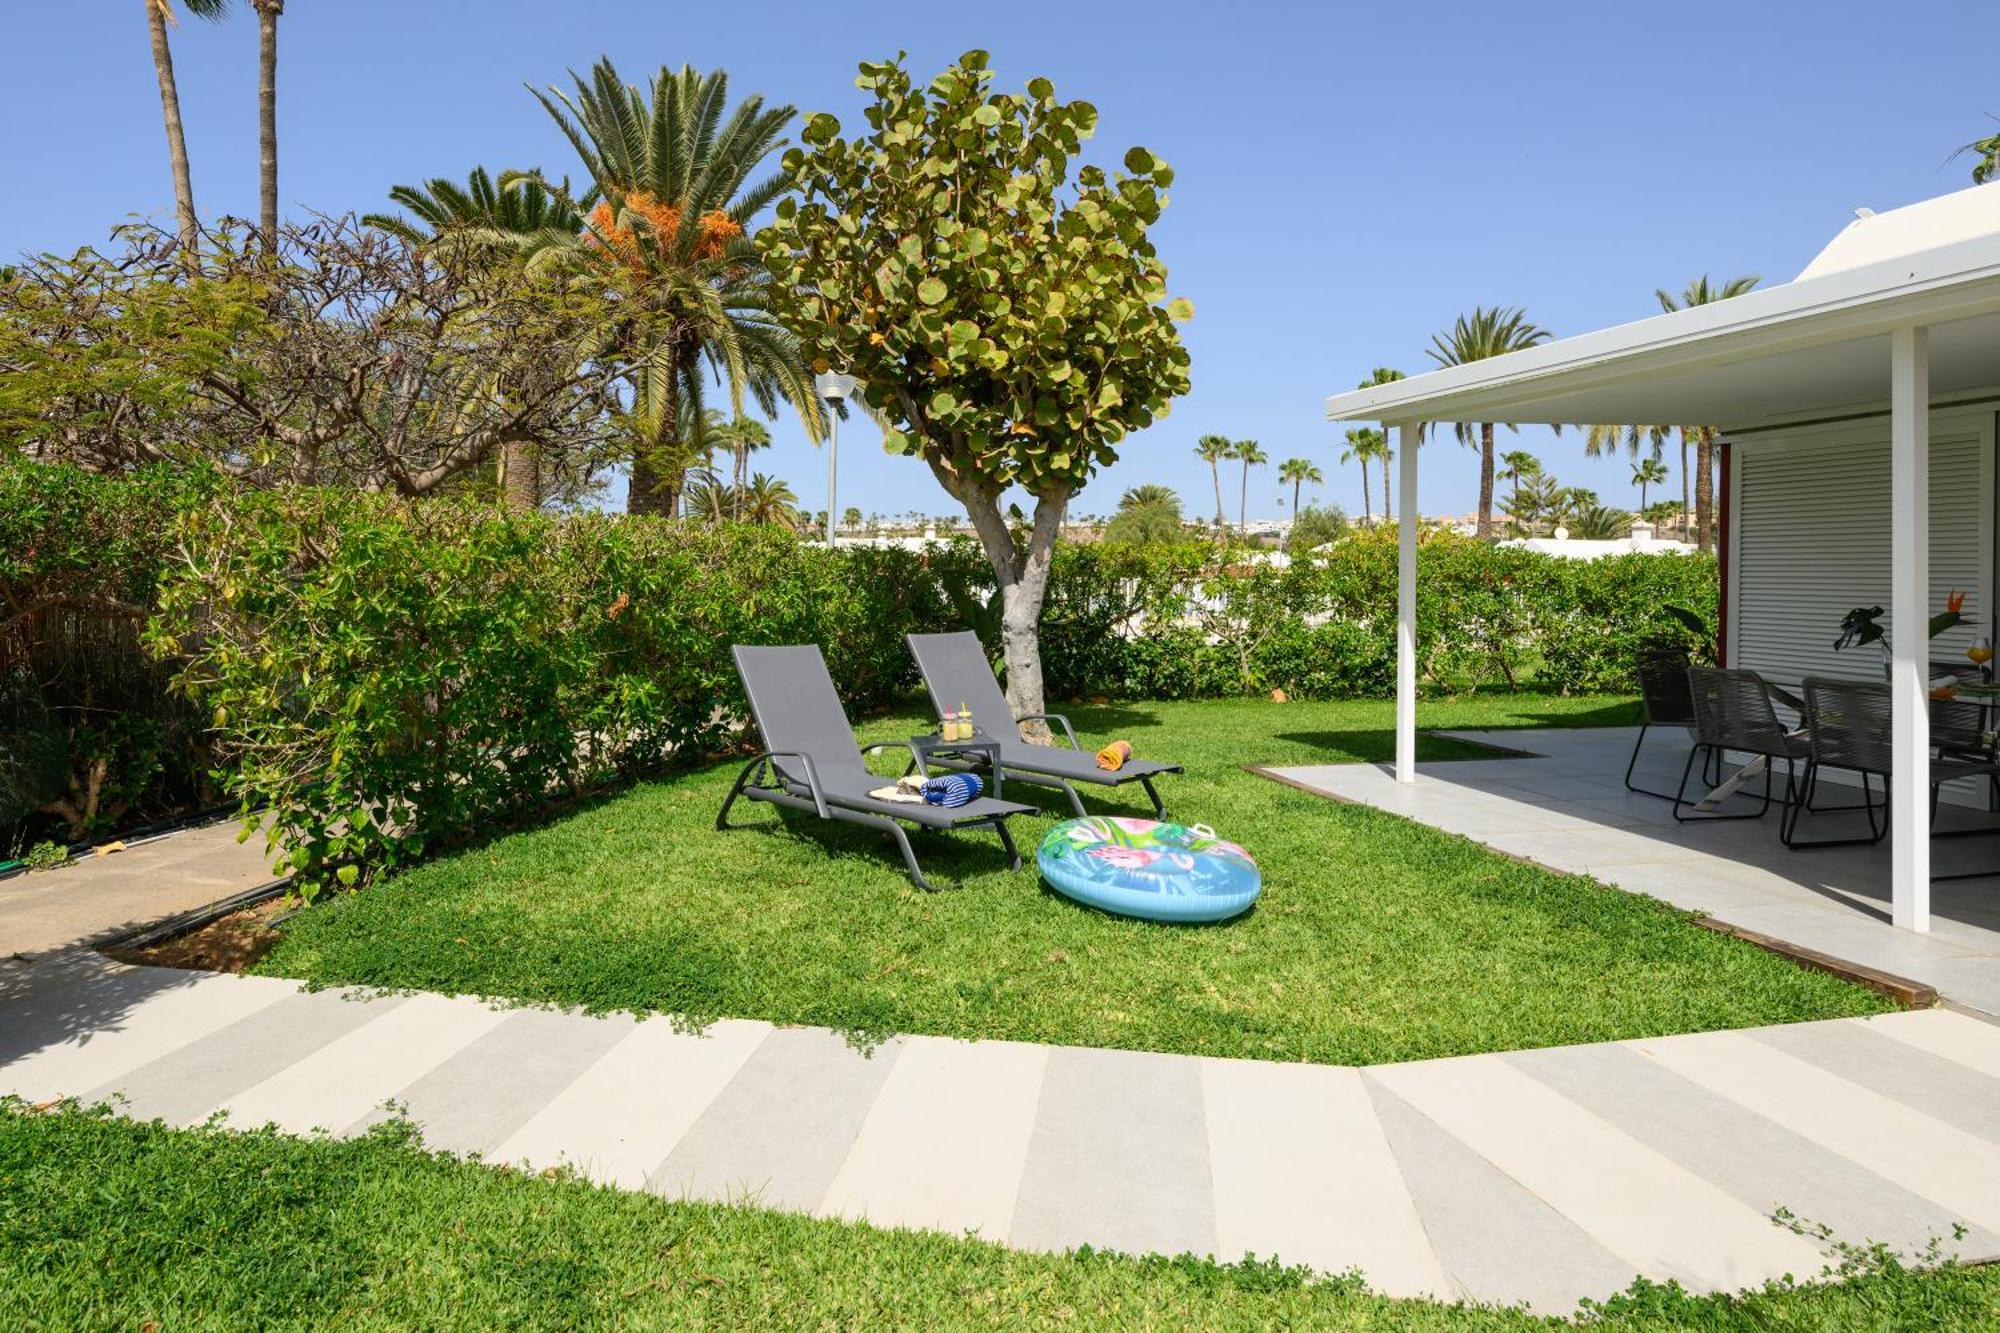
[[1001, 304]]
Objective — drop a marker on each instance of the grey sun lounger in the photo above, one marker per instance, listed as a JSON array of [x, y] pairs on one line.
[[955, 671], [812, 763]]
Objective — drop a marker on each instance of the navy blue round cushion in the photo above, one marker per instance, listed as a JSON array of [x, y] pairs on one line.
[[1148, 869]]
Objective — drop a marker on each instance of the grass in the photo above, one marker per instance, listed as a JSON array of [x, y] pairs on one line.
[[106, 1223], [1377, 939]]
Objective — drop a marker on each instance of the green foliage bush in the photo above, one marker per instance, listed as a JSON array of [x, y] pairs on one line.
[[390, 676]]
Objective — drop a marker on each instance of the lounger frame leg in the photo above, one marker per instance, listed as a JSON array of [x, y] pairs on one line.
[[1007, 841], [736, 790], [1075, 801], [1159, 806]]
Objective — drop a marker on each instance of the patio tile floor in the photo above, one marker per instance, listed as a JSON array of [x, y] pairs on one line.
[[1540, 1176], [1565, 807]]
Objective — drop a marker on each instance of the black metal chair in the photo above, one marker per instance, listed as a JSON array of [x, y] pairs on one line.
[[1733, 711], [1850, 726], [1668, 702]]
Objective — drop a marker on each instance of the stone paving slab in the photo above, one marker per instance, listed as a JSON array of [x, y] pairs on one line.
[[1533, 1176]]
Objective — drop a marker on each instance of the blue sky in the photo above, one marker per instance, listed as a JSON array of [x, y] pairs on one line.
[[1349, 178]]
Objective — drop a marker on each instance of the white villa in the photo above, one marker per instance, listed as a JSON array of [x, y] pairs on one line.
[[1857, 407]]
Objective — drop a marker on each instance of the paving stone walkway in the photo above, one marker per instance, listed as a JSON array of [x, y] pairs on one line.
[[100, 896], [1534, 1176]]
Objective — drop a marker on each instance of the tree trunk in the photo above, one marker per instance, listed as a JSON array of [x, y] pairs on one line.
[[1704, 489], [1243, 500], [170, 111], [1687, 500], [1215, 474], [1366, 512], [1484, 531], [520, 478], [654, 489], [1023, 579], [267, 120]]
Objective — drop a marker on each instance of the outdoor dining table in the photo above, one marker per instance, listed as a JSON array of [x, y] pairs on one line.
[[1986, 700]]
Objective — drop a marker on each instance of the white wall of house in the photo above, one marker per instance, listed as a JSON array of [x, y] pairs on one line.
[[1809, 539]]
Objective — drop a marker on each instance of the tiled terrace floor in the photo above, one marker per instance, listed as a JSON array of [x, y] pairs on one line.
[[1566, 807]]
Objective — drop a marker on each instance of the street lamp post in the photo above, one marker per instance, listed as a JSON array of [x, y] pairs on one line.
[[832, 387]]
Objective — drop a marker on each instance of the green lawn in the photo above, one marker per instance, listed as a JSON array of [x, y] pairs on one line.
[[105, 1223], [1376, 939]]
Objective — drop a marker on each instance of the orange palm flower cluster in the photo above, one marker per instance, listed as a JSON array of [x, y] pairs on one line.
[[718, 229]]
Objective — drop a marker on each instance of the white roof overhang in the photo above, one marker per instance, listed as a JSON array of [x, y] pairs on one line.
[[1816, 345]]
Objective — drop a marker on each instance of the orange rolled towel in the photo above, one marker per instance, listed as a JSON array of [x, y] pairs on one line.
[[1113, 756]]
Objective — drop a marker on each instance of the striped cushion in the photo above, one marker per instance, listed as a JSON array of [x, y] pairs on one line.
[[952, 790]]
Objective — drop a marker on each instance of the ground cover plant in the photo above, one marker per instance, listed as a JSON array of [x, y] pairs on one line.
[[1377, 939], [110, 1223]]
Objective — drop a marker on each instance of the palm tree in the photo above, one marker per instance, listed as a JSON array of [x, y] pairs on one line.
[[267, 118], [1149, 493], [1986, 158], [669, 237], [159, 13], [1596, 522], [1702, 292], [1475, 337], [1646, 473], [1381, 451], [741, 436], [1601, 440], [1301, 472], [1517, 466], [766, 499], [1146, 514], [516, 215], [1212, 449], [1250, 454], [1363, 443]]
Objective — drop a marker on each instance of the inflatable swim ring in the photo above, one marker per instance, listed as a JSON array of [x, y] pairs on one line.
[[1142, 868]]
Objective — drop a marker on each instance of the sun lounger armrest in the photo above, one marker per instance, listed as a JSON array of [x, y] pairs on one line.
[[1068, 730], [812, 776]]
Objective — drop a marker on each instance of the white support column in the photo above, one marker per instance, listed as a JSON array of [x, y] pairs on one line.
[[1909, 631], [1406, 602]]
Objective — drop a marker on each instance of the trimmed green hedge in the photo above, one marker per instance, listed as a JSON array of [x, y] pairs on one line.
[[1165, 622], [391, 676], [383, 676]]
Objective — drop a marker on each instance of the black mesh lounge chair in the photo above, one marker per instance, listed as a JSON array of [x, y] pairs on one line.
[[955, 671], [1733, 711], [1850, 726], [812, 763]]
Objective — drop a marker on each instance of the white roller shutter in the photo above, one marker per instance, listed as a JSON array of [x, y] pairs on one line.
[[1810, 540]]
